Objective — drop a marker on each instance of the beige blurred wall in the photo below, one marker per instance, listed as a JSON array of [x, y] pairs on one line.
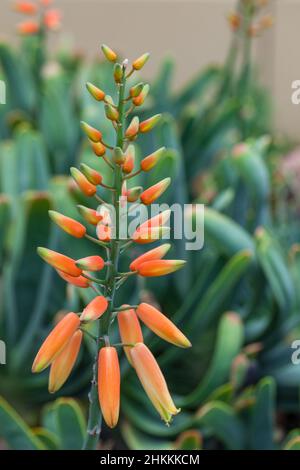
[[194, 32]]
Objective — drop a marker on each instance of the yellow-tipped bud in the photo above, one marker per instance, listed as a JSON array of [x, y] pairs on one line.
[[111, 112], [91, 175], [96, 93], [136, 90], [133, 128], [109, 53], [149, 124], [118, 156], [118, 73], [139, 100], [98, 148], [133, 194], [140, 61], [93, 134]]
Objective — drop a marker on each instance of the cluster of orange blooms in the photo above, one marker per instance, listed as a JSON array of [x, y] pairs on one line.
[[41, 16], [61, 347]]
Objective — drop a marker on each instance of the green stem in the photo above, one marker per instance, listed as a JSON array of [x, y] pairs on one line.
[[95, 417]]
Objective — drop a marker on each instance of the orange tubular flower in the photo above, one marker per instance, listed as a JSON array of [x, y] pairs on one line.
[[128, 165], [27, 8], [52, 19], [130, 329], [149, 162], [160, 219], [155, 254], [149, 235], [71, 226], [140, 62], [109, 385], [93, 134], [154, 192], [90, 215], [159, 267], [63, 365], [58, 261], [79, 281], [91, 263], [55, 342], [153, 381], [96, 93], [94, 309], [91, 175], [28, 28], [83, 183], [161, 325], [149, 124]]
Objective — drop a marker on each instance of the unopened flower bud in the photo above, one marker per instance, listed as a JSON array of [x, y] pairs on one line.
[[136, 90], [109, 53], [139, 100], [118, 156], [149, 162], [140, 62], [98, 148], [111, 112], [83, 183], [91, 175], [90, 215], [93, 134], [133, 128], [133, 194], [118, 73], [149, 124], [128, 165], [96, 93], [70, 226]]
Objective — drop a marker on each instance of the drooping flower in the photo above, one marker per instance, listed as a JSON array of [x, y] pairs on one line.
[[56, 341], [62, 366], [161, 325], [109, 385], [153, 381], [130, 329]]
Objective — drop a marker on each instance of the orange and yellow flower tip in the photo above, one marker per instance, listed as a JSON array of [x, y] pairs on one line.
[[130, 329], [28, 28], [52, 19], [58, 261], [128, 165], [91, 263], [140, 61], [118, 156], [234, 20], [111, 112], [155, 254], [133, 194], [160, 267], [93, 134], [150, 161], [71, 226], [103, 232], [153, 381], [154, 192], [140, 99], [56, 341], [161, 325], [149, 124], [27, 8], [63, 365], [83, 183], [109, 53], [158, 220], [136, 90], [109, 380], [79, 281], [96, 92], [98, 148], [90, 215], [94, 309], [133, 128], [91, 175], [149, 234]]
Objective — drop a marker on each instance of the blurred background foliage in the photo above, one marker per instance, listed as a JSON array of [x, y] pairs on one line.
[[238, 299]]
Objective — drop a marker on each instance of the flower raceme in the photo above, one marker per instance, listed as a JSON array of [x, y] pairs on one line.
[[42, 17], [100, 270]]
